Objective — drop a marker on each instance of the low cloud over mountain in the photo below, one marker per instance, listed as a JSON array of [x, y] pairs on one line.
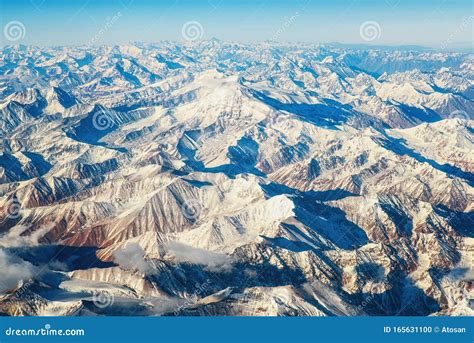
[[214, 178]]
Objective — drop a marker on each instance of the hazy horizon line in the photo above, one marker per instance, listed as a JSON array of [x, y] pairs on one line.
[[334, 44]]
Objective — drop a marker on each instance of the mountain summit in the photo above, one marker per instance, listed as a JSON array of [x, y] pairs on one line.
[[215, 178]]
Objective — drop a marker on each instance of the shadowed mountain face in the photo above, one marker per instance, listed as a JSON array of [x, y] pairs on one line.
[[230, 179]]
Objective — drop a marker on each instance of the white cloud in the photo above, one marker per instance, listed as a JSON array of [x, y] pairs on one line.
[[14, 270], [15, 237], [212, 261], [132, 257]]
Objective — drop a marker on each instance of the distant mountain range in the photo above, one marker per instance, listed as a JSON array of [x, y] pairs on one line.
[[216, 178]]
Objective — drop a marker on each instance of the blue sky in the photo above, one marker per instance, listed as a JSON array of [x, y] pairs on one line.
[[434, 23]]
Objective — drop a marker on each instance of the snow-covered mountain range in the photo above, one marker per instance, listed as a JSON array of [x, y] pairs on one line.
[[214, 178]]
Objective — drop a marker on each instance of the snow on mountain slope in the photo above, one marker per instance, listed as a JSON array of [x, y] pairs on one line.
[[219, 178], [446, 142]]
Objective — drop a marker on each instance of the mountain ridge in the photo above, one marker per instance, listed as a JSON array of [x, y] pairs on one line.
[[214, 178]]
